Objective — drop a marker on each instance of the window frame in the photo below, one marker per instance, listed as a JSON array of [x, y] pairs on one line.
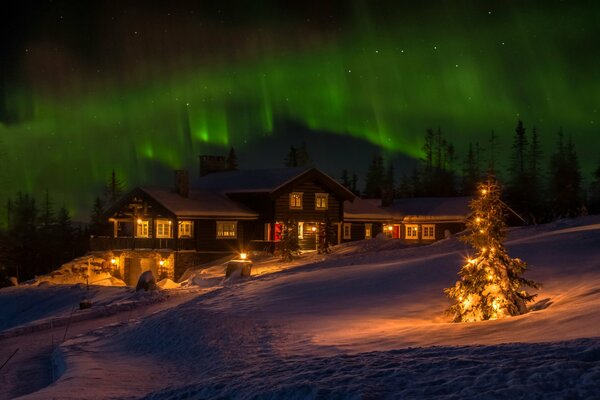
[[321, 196], [413, 228], [349, 233], [143, 225], [301, 230], [294, 195], [191, 229], [222, 231], [159, 233], [425, 228]]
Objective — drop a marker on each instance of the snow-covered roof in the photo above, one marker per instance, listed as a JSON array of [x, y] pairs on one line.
[[200, 203], [259, 180], [366, 209], [439, 208]]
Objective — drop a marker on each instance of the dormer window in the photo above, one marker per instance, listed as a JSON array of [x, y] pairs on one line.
[[321, 201], [296, 201]]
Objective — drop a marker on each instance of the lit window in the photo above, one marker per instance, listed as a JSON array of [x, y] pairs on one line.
[[142, 228], [428, 231], [348, 231], [321, 202], [368, 231], [412, 231], [296, 200], [300, 230], [163, 228], [186, 229], [226, 229]]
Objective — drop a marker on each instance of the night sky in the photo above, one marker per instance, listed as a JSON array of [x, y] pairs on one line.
[[86, 87]]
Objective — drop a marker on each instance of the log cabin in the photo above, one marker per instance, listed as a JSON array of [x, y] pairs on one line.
[[228, 212]]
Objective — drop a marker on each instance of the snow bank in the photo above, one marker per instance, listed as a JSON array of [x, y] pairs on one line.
[[81, 270]]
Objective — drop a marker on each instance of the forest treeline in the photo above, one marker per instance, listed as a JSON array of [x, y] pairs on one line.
[[37, 236], [538, 188]]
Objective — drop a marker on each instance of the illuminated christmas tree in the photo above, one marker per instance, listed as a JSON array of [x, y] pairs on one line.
[[491, 284]]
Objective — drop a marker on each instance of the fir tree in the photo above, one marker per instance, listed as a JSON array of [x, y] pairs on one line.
[[291, 160], [388, 189], [354, 186], [491, 284], [565, 180], [289, 246], [471, 172], [302, 156], [113, 189], [374, 178], [345, 179], [594, 194], [232, 162], [518, 190], [47, 211]]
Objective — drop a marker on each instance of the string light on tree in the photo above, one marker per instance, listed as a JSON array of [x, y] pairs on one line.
[[491, 284]]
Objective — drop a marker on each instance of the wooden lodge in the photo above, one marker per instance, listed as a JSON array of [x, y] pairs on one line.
[[227, 212]]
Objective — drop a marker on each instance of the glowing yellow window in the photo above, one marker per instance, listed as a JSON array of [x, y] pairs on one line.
[[296, 200], [321, 201]]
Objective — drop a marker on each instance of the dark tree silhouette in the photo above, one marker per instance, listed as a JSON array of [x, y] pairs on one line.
[[232, 162]]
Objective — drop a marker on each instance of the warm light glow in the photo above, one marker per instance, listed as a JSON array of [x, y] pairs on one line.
[[243, 256], [490, 277], [314, 229], [478, 219], [483, 249], [471, 261], [484, 191], [390, 228], [481, 231], [139, 221], [113, 261], [161, 262]]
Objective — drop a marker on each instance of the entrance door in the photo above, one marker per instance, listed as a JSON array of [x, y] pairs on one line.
[[396, 232]]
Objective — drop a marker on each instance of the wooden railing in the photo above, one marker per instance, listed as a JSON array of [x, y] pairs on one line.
[[100, 243]]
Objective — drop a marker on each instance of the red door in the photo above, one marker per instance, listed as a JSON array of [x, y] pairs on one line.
[[278, 232], [396, 232]]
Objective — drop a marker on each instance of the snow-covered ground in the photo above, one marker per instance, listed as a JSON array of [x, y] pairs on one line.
[[364, 322]]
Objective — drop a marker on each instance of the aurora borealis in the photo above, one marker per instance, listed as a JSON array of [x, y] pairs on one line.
[[88, 87]]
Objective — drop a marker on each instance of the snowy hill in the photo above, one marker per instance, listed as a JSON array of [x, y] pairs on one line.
[[365, 322]]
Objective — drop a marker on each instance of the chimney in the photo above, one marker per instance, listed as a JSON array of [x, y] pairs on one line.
[[182, 183], [210, 164]]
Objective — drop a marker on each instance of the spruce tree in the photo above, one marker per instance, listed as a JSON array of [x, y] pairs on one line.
[[518, 191], [471, 172], [113, 189], [565, 180], [291, 160], [232, 162], [594, 194], [345, 178], [491, 284], [302, 156], [289, 246], [374, 178]]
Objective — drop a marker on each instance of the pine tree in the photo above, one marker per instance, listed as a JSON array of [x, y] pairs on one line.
[[471, 172], [374, 178], [289, 246], [47, 211], [354, 186], [302, 156], [594, 194], [345, 179], [491, 284], [388, 189], [291, 160], [232, 162], [565, 180], [113, 189], [518, 191]]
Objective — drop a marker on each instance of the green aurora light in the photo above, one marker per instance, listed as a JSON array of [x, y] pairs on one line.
[[380, 78]]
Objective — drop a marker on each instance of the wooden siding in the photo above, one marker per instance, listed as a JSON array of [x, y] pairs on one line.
[[308, 212]]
